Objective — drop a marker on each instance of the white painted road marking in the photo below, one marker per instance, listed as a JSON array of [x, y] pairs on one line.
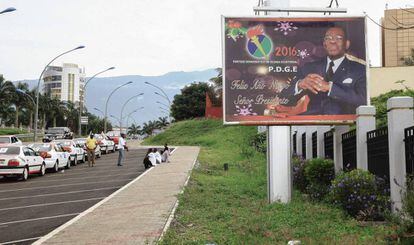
[[36, 219], [52, 203], [60, 193], [21, 240], [63, 185]]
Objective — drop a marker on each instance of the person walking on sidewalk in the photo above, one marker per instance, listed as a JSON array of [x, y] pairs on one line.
[[90, 149], [121, 148]]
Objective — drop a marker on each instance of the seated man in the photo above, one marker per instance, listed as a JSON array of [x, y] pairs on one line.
[[335, 85]]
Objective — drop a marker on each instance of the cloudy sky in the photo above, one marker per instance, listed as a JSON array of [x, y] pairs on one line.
[[143, 37]]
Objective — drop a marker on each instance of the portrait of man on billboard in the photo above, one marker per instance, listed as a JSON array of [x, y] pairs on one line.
[[334, 85]]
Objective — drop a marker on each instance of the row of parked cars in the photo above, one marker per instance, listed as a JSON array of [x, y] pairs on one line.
[[18, 160]]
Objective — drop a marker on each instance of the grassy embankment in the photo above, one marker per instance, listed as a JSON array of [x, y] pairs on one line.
[[231, 207], [8, 131]]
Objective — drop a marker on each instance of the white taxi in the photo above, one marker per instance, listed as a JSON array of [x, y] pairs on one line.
[[77, 154], [53, 154], [10, 140], [106, 144], [20, 161]]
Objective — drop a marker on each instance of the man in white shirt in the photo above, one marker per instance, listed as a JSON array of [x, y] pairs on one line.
[[121, 148]]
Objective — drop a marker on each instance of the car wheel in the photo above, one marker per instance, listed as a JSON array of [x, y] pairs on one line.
[[75, 162], [84, 158], [56, 167], [68, 164], [42, 170], [25, 174]]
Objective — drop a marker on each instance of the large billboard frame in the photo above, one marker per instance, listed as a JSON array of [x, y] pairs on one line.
[[281, 122]]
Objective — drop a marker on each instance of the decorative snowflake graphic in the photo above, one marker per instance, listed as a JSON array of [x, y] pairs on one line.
[[303, 53], [285, 27], [245, 111]]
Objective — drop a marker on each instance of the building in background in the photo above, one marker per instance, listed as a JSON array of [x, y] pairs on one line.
[[65, 82], [397, 36]]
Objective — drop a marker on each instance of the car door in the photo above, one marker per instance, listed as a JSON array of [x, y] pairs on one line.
[[28, 158]]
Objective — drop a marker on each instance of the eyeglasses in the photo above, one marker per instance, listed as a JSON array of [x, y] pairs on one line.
[[333, 38]]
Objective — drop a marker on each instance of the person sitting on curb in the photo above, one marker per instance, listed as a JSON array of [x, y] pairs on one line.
[[157, 155], [151, 157], [147, 163], [165, 154]]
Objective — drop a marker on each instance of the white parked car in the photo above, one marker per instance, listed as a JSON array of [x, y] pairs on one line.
[[10, 139], [82, 142], [105, 143], [53, 154], [20, 161], [77, 154]]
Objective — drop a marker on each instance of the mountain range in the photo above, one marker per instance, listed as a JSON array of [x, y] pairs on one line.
[[99, 89]]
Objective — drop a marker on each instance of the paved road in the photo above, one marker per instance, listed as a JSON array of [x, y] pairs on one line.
[[31, 209]]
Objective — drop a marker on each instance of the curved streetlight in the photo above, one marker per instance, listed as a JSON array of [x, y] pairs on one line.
[[106, 104], [123, 107], [162, 104], [7, 10], [38, 88], [164, 109], [28, 95], [133, 113], [84, 97], [165, 94], [96, 109], [119, 121]]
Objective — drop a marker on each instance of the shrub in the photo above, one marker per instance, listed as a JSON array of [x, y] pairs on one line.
[[319, 173], [299, 179], [258, 141], [408, 205], [361, 194]]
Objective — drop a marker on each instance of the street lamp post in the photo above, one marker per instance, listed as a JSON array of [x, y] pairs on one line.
[[96, 109], [162, 104], [164, 95], [119, 121], [84, 97], [38, 88], [7, 10], [106, 104], [132, 113], [123, 107]]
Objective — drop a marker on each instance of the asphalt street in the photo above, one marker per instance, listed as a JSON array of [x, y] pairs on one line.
[[31, 209]]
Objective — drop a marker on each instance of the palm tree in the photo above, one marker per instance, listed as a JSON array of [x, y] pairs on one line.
[[6, 92], [148, 127], [19, 100], [134, 129], [163, 122], [218, 87]]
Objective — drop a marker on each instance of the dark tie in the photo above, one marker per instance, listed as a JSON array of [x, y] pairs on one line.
[[329, 72]]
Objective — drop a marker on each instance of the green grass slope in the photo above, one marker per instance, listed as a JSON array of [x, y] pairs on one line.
[[231, 207]]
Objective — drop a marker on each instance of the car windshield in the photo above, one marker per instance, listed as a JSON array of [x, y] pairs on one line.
[[4, 140], [64, 143], [41, 147], [9, 150]]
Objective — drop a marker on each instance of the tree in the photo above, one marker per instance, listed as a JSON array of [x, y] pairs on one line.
[[162, 122], [217, 87], [134, 129], [409, 60], [191, 103]]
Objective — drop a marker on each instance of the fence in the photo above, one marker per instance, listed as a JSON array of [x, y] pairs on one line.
[[314, 144], [295, 151], [378, 153], [304, 145], [328, 144], [349, 150], [409, 149]]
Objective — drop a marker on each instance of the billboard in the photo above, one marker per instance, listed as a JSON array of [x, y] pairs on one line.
[[293, 71]]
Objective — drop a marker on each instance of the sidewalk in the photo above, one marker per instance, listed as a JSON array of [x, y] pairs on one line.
[[135, 214]]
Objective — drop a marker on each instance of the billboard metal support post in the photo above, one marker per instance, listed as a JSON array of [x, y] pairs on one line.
[[279, 169]]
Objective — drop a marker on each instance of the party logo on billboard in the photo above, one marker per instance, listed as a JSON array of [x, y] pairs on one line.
[[258, 45]]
